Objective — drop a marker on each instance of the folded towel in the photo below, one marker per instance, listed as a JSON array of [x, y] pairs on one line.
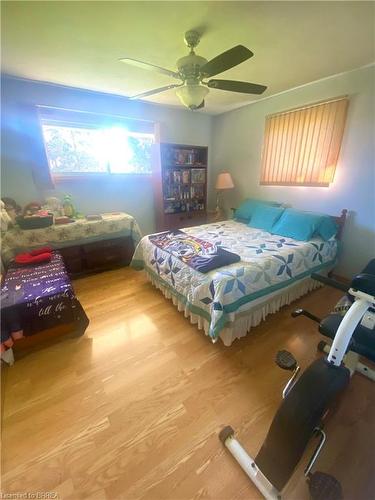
[[27, 259], [38, 251]]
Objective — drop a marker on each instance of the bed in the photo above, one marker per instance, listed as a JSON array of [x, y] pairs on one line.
[[228, 301]]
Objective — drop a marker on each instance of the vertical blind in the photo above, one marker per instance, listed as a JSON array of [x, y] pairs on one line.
[[301, 146]]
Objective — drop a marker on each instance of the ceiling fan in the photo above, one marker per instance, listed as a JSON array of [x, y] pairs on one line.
[[193, 71]]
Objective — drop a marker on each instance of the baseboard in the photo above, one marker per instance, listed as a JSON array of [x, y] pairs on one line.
[[342, 279]]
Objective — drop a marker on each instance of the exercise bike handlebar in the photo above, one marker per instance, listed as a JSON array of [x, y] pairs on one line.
[[330, 282]]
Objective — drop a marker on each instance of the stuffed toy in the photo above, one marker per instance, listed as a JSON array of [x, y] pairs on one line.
[[12, 208], [68, 207], [5, 219], [32, 208], [54, 206]]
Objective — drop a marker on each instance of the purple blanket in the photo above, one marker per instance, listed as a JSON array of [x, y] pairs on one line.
[[38, 297], [201, 255]]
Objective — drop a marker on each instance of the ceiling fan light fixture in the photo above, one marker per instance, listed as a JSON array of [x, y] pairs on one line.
[[193, 71], [192, 96]]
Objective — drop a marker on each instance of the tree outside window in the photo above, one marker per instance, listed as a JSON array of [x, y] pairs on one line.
[[78, 150]]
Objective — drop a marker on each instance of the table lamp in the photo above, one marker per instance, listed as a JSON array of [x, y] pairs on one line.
[[224, 181]]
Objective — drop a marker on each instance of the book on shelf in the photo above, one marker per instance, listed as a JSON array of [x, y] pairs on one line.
[[176, 176], [184, 156], [198, 176], [186, 176]]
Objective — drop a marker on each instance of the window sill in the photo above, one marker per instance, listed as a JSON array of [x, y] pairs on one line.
[[296, 184], [97, 176]]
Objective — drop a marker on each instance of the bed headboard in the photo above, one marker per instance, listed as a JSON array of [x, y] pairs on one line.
[[340, 221]]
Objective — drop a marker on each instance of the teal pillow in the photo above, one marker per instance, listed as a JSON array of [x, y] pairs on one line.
[[297, 224], [244, 221], [265, 216], [328, 228], [247, 208]]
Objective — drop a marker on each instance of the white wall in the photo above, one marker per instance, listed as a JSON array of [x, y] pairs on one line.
[[132, 194], [237, 143]]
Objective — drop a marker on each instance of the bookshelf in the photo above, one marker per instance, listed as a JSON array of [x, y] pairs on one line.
[[181, 187]]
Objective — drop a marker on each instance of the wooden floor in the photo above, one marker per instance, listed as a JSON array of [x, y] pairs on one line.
[[132, 409]]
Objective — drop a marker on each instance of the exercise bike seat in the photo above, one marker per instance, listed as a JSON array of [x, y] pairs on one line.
[[363, 339], [364, 283]]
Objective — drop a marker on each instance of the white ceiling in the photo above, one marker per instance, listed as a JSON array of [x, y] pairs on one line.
[[78, 43]]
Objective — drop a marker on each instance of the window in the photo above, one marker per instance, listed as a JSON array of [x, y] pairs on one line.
[[75, 148], [301, 146]]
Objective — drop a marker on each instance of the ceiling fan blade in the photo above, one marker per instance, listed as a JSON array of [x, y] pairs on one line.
[[156, 91], [148, 66], [226, 60], [233, 86]]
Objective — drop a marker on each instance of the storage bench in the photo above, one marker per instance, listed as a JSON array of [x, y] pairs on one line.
[[86, 246], [38, 301]]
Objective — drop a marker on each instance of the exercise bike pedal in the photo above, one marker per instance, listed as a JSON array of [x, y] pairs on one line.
[[323, 486], [321, 346], [286, 360], [297, 312]]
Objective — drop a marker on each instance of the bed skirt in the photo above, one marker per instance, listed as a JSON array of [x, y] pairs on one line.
[[247, 316]]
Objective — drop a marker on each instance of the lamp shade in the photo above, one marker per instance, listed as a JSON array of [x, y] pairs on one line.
[[192, 96], [224, 181]]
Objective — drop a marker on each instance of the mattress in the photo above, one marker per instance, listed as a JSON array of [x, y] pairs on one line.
[[268, 263]]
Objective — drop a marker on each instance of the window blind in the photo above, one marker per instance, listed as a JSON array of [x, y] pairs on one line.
[[301, 146]]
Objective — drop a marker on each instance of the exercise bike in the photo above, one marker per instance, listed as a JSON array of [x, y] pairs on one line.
[[308, 397]]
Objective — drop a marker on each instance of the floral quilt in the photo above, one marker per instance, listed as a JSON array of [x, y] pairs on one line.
[[268, 263], [111, 225]]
